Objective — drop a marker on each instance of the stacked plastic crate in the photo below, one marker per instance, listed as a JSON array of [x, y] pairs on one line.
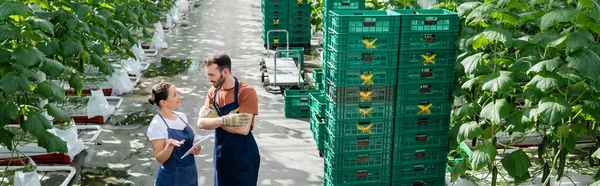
[[427, 59], [274, 17], [361, 82], [300, 26], [297, 103]]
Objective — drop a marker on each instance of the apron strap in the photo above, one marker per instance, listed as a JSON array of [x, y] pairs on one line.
[[165, 122], [235, 97]]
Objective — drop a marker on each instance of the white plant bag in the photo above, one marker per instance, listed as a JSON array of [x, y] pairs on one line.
[[74, 144], [27, 178], [183, 6], [138, 51], [169, 23], [121, 83], [175, 15], [158, 41], [98, 105], [132, 66]]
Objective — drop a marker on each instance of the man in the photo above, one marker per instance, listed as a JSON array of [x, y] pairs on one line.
[[230, 108]]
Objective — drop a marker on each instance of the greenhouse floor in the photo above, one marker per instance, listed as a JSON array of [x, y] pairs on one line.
[[288, 153]]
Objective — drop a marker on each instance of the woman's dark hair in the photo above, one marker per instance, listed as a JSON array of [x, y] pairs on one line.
[[160, 91]]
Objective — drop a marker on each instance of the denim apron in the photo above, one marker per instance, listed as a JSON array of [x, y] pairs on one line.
[[236, 156], [177, 171]]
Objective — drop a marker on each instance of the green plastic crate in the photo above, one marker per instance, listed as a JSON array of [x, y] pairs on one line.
[[297, 97], [432, 181], [318, 103], [363, 127], [300, 13], [272, 5], [299, 32], [428, 74], [428, 41], [362, 176], [281, 12], [358, 143], [351, 111], [296, 112], [423, 107], [317, 75], [425, 58], [360, 77], [430, 20], [327, 182], [344, 4], [276, 40], [424, 91], [419, 171], [358, 159], [317, 127], [359, 60], [419, 155], [432, 123], [298, 57], [361, 94], [358, 42], [365, 21], [420, 140]]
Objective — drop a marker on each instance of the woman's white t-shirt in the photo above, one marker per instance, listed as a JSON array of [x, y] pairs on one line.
[[158, 129]]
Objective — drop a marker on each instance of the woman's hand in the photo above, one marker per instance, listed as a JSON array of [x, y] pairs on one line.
[[196, 150], [175, 143]]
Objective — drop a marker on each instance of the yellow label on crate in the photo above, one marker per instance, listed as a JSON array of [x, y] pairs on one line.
[[428, 59], [365, 96], [366, 79], [425, 109], [299, 1], [276, 41], [366, 129], [365, 112], [369, 44], [276, 21]]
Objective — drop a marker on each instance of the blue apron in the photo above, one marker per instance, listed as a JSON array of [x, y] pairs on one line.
[[177, 171], [236, 156]]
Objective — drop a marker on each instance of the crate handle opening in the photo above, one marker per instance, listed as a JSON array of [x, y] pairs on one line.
[[276, 6], [362, 173], [422, 122], [421, 138], [363, 142], [429, 38], [425, 89], [418, 183], [420, 153], [419, 168], [304, 110], [365, 89], [426, 72], [430, 21], [363, 157]]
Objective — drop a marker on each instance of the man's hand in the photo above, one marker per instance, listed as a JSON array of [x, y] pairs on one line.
[[237, 120], [209, 112]]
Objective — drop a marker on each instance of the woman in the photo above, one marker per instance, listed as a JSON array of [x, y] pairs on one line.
[[171, 137]]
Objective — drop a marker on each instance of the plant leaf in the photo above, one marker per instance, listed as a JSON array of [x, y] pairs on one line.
[[553, 110], [50, 90], [469, 131], [507, 17], [547, 82], [483, 156], [514, 122], [71, 47], [495, 111], [578, 39], [8, 32], [51, 143], [546, 65], [557, 16], [593, 5], [9, 111], [56, 112], [497, 82], [76, 82], [36, 124], [466, 7], [469, 84], [459, 169], [41, 24], [480, 11], [6, 137], [11, 8], [472, 62], [559, 43], [516, 163], [467, 110], [496, 33], [28, 56], [48, 48], [13, 82], [586, 61], [52, 68]]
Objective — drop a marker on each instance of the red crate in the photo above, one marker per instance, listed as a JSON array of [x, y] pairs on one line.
[[46, 158]]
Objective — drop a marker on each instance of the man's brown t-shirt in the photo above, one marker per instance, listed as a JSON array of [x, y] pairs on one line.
[[247, 98]]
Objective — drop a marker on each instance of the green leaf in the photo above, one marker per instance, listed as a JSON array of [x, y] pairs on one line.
[[479, 41], [516, 163], [469, 84], [41, 24], [557, 16], [8, 111], [13, 82], [546, 65], [52, 68], [121, 27], [495, 111], [497, 82], [496, 33], [106, 14], [48, 48], [51, 143], [36, 124], [469, 131], [593, 5], [13, 8], [472, 62], [28, 56], [523, 178], [6, 137], [483, 156], [99, 33], [507, 17], [56, 112], [479, 12], [71, 47], [578, 39], [32, 36], [459, 169], [81, 10], [559, 43], [467, 110], [50, 90], [98, 48], [514, 122], [553, 110], [465, 8], [586, 61], [76, 82], [547, 82], [8, 32]]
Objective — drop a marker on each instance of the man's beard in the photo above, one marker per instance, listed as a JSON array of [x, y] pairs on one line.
[[219, 82]]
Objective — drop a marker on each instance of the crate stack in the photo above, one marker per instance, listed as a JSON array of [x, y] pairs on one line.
[[361, 82], [291, 15], [330, 5], [297, 103], [426, 64]]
